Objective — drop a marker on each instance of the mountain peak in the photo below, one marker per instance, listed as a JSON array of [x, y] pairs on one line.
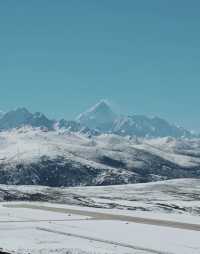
[[100, 116], [18, 112], [101, 106]]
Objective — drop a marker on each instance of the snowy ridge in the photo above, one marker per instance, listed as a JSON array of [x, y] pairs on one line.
[[143, 126], [62, 158]]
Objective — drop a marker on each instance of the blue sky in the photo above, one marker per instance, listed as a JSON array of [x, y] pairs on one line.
[[60, 57]]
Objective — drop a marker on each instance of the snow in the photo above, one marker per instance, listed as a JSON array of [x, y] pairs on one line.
[[33, 236], [26, 237], [25, 229], [29, 144], [170, 197]]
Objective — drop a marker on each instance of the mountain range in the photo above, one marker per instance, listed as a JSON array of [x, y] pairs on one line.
[[99, 147], [99, 119]]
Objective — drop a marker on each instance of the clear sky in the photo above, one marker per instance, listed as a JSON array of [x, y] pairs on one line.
[[62, 56]]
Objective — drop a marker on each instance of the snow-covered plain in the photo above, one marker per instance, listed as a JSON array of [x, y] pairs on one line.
[[44, 227], [25, 230]]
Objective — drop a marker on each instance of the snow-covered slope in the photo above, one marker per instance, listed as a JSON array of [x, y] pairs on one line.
[[63, 158], [180, 196], [73, 126]]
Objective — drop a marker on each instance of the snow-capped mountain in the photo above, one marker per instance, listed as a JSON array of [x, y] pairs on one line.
[[100, 148], [103, 118], [100, 117], [21, 117]]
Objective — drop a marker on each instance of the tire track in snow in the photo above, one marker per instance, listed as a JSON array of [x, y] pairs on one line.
[[120, 244]]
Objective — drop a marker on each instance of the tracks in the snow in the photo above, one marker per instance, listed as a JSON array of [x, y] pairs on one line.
[[120, 244]]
